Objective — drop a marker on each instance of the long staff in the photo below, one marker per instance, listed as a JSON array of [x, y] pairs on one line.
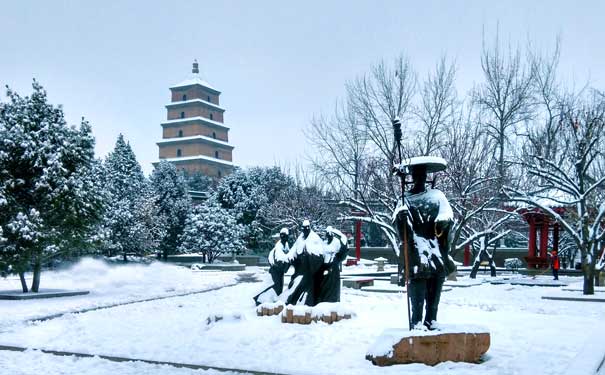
[[397, 134]]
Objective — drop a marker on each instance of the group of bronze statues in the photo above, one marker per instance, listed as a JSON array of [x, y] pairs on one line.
[[316, 264]]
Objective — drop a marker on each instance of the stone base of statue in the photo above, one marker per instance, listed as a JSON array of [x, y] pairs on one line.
[[449, 343], [326, 312], [269, 308]]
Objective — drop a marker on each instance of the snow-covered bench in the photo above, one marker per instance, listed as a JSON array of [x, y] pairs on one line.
[[357, 282]]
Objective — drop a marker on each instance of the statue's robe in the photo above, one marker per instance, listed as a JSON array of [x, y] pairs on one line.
[[307, 260]]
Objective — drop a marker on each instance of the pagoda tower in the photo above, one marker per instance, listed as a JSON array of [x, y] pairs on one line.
[[194, 136]]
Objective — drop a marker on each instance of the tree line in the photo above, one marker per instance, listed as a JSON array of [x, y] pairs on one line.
[[58, 201]]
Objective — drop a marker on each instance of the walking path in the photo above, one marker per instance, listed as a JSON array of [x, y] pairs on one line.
[[124, 359]]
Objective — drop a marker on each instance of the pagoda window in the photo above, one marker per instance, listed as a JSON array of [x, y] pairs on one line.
[[209, 101], [182, 114], [216, 154], [178, 152], [214, 135], [184, 97], [211, 116], [180, 133]]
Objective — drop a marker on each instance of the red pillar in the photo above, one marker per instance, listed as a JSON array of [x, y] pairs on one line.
[[531, 251], [467, 255], [544, 238], [358, 239], [555, 237]]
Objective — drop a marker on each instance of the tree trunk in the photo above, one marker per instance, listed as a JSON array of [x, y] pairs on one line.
[[589, 283], [37, 271], [165, 254], [23, 282], [125, 258]]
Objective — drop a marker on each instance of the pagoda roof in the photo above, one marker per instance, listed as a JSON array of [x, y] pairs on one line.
[[193, 119], [193, 80], [194, 138], [198, 157], [191, 101]]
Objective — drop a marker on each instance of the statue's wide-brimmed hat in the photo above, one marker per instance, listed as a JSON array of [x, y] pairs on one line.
[[432, 163]]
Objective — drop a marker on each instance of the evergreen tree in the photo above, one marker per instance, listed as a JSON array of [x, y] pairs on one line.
[[172, 202], [200, 182], [128, 225], [213, 231], [245, 192], [49, 196]]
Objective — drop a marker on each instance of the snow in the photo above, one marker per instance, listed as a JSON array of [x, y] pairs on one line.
[[313, 244], [34, 362], [196, 118], [191, 101], [432, 161], [198, 157], [194, 137], [108, 284], [279, 253], [194, 79], [529, 335]]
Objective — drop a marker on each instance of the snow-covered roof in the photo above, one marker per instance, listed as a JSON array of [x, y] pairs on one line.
[[185, 102], [197, 118], [199, 157], [192, 80], [193, 138], [549, 199]]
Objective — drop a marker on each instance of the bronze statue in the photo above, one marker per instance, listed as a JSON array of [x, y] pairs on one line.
[[423, 219]]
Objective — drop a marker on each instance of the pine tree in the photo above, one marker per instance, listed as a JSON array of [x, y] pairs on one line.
[[50, 199], [173, 204], [211, 230], [245, 192], [128, 225]]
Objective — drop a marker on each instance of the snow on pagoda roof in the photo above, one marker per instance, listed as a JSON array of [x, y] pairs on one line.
[[192, 80], [194, 137], [199, 157], [197, 118], [185, 102]]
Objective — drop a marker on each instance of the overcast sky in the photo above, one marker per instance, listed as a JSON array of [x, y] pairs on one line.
[[277, 63]]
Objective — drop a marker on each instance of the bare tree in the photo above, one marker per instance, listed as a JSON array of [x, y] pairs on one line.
[[340, 149], [505, 96], [379, 97], [437, 107]]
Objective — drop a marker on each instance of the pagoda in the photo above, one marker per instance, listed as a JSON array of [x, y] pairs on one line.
[[194, 137]]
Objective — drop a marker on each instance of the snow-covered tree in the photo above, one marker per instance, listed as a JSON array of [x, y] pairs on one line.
[[245, 192], [574, 179], [50, 197], [198, 181], [172, 203], [212, 231], [126, 223]]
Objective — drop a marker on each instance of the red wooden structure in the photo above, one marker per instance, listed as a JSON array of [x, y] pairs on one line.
[[540, 225]]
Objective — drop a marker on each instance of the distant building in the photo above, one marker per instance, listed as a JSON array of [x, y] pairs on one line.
[[194, 136]]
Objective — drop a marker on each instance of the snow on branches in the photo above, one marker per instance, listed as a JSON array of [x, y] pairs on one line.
[[212, 231]]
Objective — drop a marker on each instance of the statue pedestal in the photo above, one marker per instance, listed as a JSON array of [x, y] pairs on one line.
[[449, 343]]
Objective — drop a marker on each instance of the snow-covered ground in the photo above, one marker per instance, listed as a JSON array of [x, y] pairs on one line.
[[108, 284], [529, 335]]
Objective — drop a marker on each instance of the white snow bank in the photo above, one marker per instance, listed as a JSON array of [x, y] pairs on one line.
[[108, 284]]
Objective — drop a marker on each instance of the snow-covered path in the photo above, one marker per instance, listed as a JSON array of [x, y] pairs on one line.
[[529, 335]]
